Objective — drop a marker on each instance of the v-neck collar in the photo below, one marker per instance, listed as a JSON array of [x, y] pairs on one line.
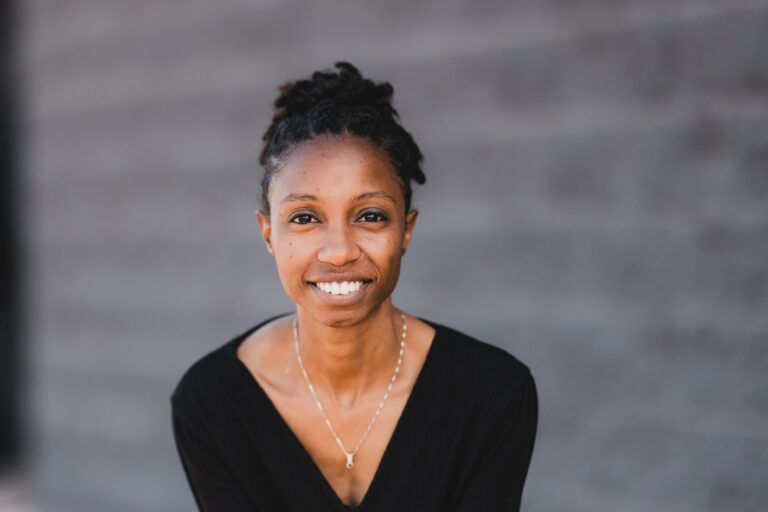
[[299, 448]]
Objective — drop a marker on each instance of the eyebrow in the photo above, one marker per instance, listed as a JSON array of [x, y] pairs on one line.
[[310, 197]]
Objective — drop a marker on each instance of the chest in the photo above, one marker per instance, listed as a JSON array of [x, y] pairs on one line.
[[305, 420]]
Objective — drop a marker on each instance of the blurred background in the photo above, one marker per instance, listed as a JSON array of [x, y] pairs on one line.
[[597, 176]]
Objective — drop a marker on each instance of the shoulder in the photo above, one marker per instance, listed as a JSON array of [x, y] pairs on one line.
[[492, 391], [480, 355], [488, 369], [211, 377], [202, 379]]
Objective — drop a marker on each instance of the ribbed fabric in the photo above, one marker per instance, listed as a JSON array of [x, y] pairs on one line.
[[463, 442]]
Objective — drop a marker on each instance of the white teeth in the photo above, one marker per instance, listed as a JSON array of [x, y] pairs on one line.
[[343, 288]]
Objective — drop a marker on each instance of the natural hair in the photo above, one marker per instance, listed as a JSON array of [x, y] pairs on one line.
[[338, 103]]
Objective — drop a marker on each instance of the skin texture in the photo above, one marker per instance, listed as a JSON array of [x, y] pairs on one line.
[[349, 350]]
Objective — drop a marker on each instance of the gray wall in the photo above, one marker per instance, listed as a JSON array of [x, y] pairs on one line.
[[596, 204]]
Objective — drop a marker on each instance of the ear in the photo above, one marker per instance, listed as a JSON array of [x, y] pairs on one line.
[[410, 223], [265, 224]]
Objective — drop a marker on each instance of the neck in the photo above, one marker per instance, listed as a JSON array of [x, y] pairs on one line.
[[351, 362]]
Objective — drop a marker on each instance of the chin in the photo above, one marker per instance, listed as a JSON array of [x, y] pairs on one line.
[[338, 316]]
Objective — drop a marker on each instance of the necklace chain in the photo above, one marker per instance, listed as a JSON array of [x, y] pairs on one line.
[[349, 455]]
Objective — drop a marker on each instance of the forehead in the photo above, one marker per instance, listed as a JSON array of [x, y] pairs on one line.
[[335, 167]]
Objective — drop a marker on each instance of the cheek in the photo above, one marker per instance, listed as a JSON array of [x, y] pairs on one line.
[[389, 254], [287, 251], [380, 249]]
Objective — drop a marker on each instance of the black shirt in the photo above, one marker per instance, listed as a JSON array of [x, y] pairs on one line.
[[463, 441]]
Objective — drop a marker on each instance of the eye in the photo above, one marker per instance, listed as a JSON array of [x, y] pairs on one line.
[[303, 218], [373, 216]]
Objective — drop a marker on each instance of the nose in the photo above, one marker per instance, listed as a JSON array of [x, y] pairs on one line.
[[339, 246]]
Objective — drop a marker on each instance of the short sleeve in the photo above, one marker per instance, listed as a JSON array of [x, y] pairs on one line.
[[213, 485], [497, 482]]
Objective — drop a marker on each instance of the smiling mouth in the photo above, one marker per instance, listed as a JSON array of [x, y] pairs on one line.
[[341, 287]]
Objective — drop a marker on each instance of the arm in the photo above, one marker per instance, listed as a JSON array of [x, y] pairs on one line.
[[497, 482], [213, 485]]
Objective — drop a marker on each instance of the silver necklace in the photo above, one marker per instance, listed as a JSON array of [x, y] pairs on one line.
[[349, 455]]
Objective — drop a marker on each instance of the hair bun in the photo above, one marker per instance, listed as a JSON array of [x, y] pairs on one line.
[[345, 87], [339, 102]]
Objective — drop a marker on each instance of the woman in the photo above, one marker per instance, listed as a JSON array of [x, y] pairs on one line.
[[349, 403]]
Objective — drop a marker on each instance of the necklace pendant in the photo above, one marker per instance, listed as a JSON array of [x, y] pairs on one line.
[[349, 460]]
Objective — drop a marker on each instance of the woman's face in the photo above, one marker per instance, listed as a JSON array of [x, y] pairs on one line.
[[338, 228]]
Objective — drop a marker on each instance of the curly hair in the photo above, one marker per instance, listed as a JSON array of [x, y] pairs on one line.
[[338, 103]]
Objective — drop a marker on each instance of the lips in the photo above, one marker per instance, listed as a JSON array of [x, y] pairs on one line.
[[339, 278], [340, 288], [339, 291]]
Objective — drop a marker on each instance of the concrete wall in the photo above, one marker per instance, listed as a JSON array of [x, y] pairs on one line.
[[597, 184]]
